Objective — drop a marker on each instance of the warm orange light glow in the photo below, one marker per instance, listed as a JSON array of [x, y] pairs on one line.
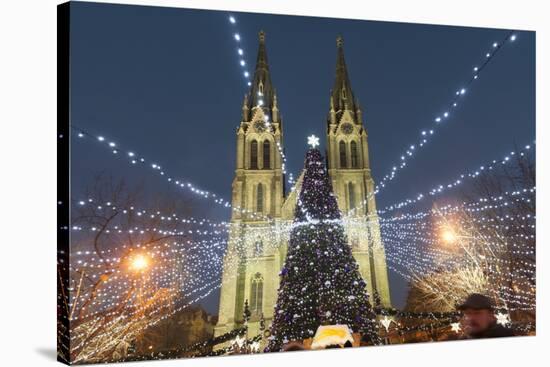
[[139, 263], [448, 235]]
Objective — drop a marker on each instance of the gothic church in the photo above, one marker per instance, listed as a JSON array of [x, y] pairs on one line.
[[257, 237]]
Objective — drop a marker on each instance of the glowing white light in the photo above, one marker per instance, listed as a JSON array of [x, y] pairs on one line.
[[446, 114], [476, 68], [455, 326], [80, 135], [495, 44], [237, 37], [232, 19], [249, 84], [139, 263], [100, 138], [488, 55], [313, 141], [246, 74], [386, 322], [437, 119], [513, 37], [131, 154], [240, 51], [111, 144], [462, 91], [502, 318], [242, 62]]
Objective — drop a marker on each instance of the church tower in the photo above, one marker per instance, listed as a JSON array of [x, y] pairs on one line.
[[349, 169], [254, 253]]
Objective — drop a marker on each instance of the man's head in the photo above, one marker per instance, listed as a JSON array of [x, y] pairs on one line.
[[478, 314]]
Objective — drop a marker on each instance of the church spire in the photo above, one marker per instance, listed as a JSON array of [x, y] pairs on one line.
[[261, 92], [342, 95]]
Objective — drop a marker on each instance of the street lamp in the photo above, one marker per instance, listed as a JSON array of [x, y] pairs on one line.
[[139, 263], [449, 235]]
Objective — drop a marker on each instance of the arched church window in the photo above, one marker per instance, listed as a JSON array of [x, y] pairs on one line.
[[343, 158], [260, 198], [351, 195], [354, 156], [254, 154], [256, 293], [267, 154], [344, 93], [258, 248]]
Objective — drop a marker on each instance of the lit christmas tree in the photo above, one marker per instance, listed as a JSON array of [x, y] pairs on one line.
[[320, 280]]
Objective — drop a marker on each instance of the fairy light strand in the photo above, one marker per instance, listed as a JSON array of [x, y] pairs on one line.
[[426, 134]]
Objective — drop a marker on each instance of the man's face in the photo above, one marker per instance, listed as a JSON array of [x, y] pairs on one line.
[[477, 321]]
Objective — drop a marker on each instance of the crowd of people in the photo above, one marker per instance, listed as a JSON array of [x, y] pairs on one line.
[[477, 321]]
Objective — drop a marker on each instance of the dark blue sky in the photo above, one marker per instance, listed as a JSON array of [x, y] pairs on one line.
[[166, 83]]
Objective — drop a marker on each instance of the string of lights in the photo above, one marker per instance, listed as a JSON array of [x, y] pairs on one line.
[[403, 245], [231, 259], [416, 251], [135, 159], [446, 113], [505, 200], [475, 173], [152, 282], [150, 213], [519, 301], [237, 37], [298, 224], [421, 231]]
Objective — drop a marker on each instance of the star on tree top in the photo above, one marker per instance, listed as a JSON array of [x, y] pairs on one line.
[[313, 141]]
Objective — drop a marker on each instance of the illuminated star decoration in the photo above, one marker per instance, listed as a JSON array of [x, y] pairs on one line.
[[502, 318], [255, 347], [386, 322], [239, 341], [313, 141], [455, 326]]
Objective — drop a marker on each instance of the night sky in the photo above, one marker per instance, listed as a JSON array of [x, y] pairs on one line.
[[166, 83]]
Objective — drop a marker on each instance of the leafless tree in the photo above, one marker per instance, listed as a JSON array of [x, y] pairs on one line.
[[491, 248], [110, 299]]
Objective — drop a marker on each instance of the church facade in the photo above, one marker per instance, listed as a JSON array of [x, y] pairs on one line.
[[263, 212]]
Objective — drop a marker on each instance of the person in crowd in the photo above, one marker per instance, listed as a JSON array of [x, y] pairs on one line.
[[478, 319]]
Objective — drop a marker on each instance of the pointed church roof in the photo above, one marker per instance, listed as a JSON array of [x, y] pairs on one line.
[[342, 97], [261, 91]]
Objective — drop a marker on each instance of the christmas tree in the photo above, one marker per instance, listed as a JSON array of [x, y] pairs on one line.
[[320, 280]]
